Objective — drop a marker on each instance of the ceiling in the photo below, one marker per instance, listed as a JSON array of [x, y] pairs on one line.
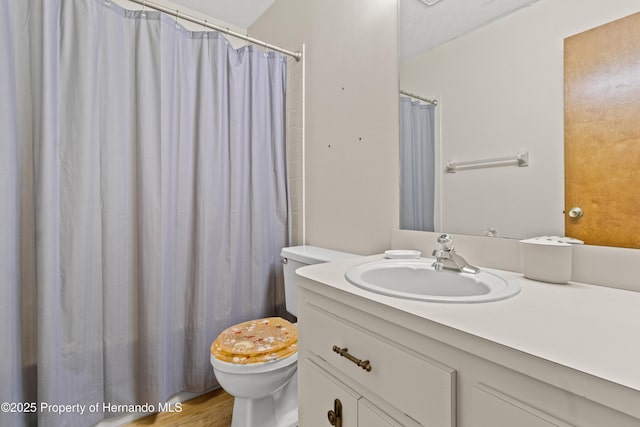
[[422, 27]]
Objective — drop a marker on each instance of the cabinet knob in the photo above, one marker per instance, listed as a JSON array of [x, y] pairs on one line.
[[335, 416]]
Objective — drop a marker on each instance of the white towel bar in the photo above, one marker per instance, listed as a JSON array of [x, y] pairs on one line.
[[520, 159]]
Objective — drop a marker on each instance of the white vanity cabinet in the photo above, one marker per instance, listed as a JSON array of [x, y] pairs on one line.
[[373, 367], [423, 373]]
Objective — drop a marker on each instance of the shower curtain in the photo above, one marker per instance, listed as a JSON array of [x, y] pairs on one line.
[[143, 205], [417, 165]]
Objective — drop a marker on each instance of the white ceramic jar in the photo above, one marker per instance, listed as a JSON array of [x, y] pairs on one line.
[[547, 259]]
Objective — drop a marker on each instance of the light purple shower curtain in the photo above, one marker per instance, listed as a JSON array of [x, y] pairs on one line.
[[417, 165], [143, 203]]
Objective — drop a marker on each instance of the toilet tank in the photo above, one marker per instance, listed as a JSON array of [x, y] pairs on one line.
[[295, 257]]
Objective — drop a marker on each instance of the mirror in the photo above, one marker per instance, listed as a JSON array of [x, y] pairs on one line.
[[497, 73]]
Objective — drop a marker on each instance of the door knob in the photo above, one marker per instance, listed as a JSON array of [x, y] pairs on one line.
[[575, 212]]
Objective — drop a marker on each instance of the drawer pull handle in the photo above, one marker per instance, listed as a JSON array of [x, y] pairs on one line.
[[335, 416], [344, 352]]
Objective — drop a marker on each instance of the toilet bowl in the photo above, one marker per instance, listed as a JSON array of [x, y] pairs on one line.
[[256, 361]]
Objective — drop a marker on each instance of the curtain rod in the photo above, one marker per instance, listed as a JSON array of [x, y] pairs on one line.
[[430, 101], [175, 12]]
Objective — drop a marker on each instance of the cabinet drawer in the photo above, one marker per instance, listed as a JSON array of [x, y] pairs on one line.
[[495, 409], [421, 388]]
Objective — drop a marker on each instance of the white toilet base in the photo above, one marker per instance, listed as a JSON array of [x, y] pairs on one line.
[[279, 409], [260, 413]]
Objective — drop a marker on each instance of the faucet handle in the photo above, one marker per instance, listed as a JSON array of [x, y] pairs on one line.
[[446, 241], [437, 266]]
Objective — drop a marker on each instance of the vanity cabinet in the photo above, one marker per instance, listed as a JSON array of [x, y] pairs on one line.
[[373, 367], [391, 368]]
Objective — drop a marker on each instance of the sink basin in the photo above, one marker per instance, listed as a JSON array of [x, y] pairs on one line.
[[416, 279]]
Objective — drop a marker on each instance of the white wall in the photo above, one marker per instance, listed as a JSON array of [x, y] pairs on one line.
[[351, 117], [501, 91]]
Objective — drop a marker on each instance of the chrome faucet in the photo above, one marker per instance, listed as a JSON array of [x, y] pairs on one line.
[[446, 257]]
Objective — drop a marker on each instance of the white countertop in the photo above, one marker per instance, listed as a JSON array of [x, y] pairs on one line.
[[592, 329]]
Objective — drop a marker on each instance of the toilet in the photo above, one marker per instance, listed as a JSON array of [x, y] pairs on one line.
[[256, 361]]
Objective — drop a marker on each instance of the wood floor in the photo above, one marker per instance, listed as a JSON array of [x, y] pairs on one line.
[[209, 410]]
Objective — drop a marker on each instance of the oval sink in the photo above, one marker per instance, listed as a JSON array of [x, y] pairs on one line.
[[417, 279]]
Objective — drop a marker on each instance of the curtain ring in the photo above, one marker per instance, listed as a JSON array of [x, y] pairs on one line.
[[177, 18], [225, 39], [206, 30], [144, 7]]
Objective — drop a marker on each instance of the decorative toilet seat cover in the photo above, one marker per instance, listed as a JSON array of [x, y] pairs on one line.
[[256, 341]]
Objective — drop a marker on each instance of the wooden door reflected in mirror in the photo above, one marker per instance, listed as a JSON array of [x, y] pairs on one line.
[[602, 134]]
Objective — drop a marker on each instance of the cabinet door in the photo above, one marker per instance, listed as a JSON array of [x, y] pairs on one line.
[[317, 395], [494, 409], [371, 416]]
